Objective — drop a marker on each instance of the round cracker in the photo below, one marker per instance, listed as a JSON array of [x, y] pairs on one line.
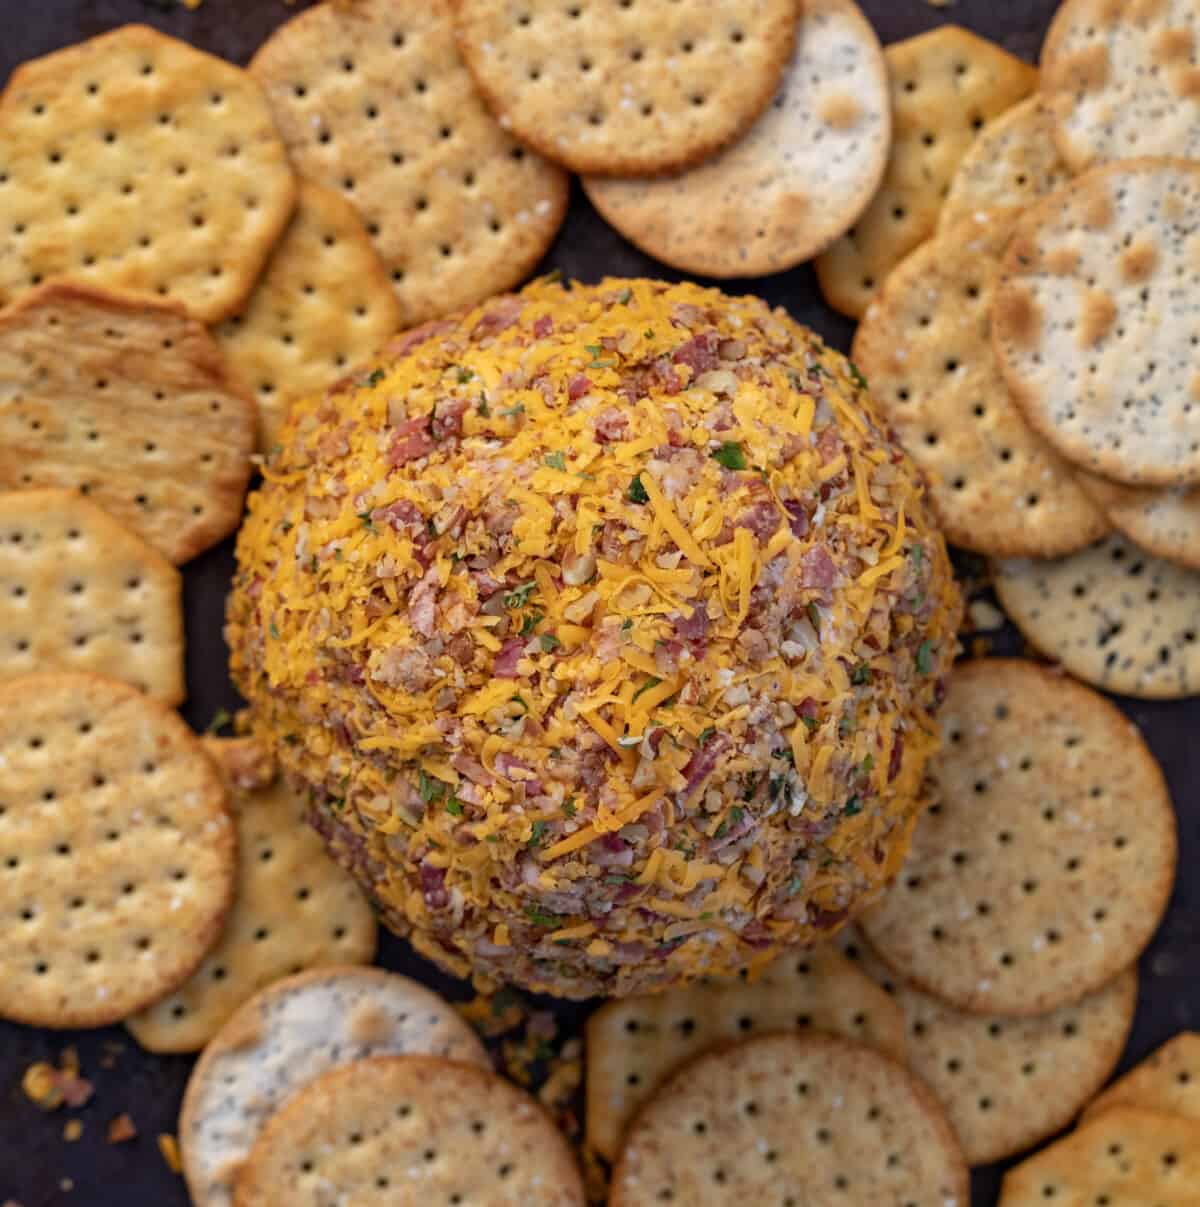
[[135, 161], [375, 103], [411, 1129], [925, 346], [797, 180], [784, 1118], [1122, 79], [1164, 521], [295, 908], [286, 1037], [117, 851], [1012, 163], [627, 89], [1113, 616], [1097, 322], [1046, 866], [1008, 1083]]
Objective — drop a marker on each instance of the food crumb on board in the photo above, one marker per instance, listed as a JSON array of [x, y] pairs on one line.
[[72, 1130], [49, 1088], [121, 1128], [169, 1147]]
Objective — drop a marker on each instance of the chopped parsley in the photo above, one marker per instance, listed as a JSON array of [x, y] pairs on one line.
[[454, 805], [637, 492], [376, 377], [549, 642], [509, 412], [519, 701], [735, 816], [314, 564], [867, 765], [706, 733], [540, 917], [464, 374], [917, 552], [428, 788], [626, 625], [722, 829], [810, 723], [795, 885], [925, 657], [650, 682], [482, 406], [519, 596], [731, 455], [856, 376], [796, 381], [814, 615], [593, 350], [539, 832], [648, 333], [555, 461], [365, 516], [624, 297], [274, 631], [569, 807], [853, 807], [860, 675], [287, 526], [530, 623], [221, 718]]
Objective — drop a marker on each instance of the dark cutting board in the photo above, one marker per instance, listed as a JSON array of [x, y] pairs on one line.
[[34, 1158]]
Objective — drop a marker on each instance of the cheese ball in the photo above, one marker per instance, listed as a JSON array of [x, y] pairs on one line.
[[605, 627]]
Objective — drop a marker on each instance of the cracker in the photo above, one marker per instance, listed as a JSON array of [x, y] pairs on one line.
[[1112, 615], [135, 161], [796, 181], [1096, 329], [374, 102], [925, 346], [1123, 1158], [1008, 1083], [1012, 163], [117, 851], [1122, 80], [128, 401], [80, 592], [411, 1129], [1167, 1080], [289, 1035], [1162, 520], [295, 909], [627, 89], [813, 1119], [323, 305], [1045, 867], [635, 1043], [946, 85]]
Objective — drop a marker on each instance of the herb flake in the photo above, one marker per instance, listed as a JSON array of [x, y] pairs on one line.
[[637, 492], [731, 455]]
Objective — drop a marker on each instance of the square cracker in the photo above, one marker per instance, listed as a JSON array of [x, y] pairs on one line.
[[635, 1043], [323, 305], [374, 101], [1167, 1080], [80, 592], [294, 909], [1123, 1157], [134, 161], [946, 85], [127, 400]]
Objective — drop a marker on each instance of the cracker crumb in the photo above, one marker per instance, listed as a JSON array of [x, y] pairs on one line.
[[49, 1088], [66, 1184], [72, 1130], [121, 1129], [169, 1147]]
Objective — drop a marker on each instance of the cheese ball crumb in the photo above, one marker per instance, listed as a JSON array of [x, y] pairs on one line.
[[605, 626]]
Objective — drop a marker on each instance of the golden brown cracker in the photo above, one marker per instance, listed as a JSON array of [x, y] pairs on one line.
[[1046, 865], [413, 1129], [635, 1043], [1012, 163], [1007, 1083], [134, 161], [1112, 615], [627, 89], [128, 401], [374, 102], [813, 1119], [1096, 340], [287, 1036], [925, 345], [81, 592], [1121, 79], [1123, 1156], [117, 851], [1167, 1080], [294, 909], [1162, 520], [323, 305], [795, 181], [946, 85]]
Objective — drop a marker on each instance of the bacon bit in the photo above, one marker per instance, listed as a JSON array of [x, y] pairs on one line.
[[169, 1147], [798, 518], [121, 1129], [700, 766], [433, 886], [762, 519], [827, 919], [543, 326], [447, 418], [610, 426], [403, 344], [505, 664], [896, 758], [503, 314], [817, 569], [72, 1130], [410, 441], [49, 1088], [700, 353], [578, 386]]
